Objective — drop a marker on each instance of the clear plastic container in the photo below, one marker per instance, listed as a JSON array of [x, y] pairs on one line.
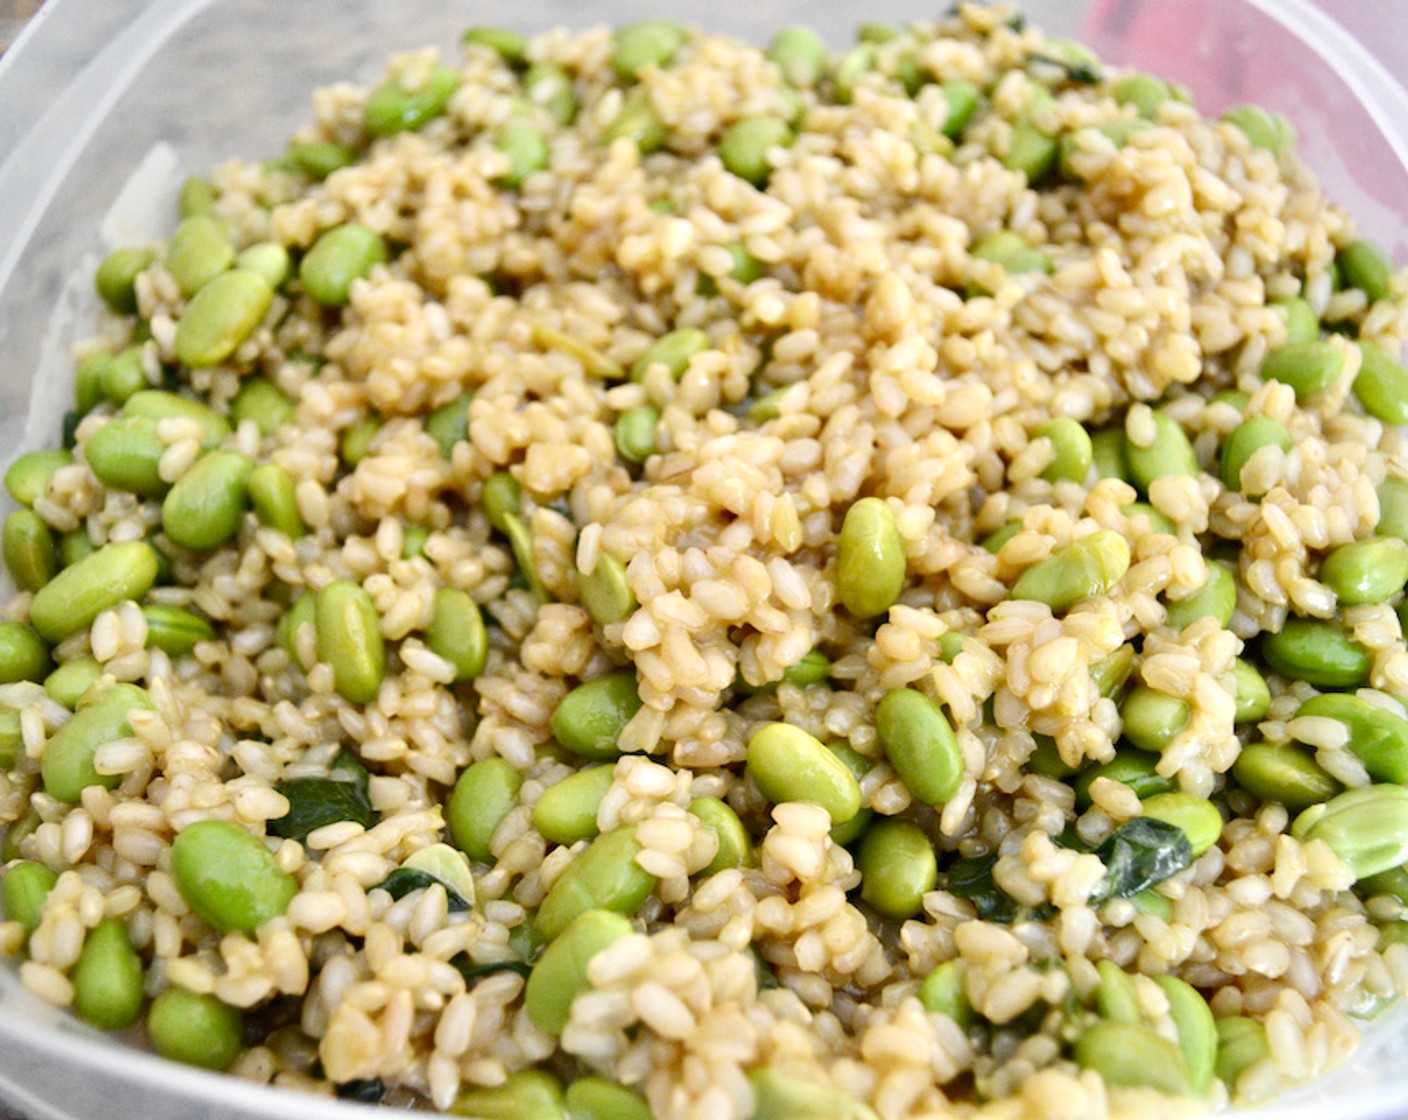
[[105, 104]]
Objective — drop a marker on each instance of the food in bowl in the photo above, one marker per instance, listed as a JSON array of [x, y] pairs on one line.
[[636, 575]]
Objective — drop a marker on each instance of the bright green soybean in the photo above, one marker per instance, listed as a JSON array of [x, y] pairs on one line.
[[1377, 737], [1197, 1030], [1070, 448], [413, 541], [1144, 91], [1170, 454], [920, 744], [1283, 772], [457, 633], [520, 542], [1157, 521], [269, 259], [221, 316], [67, 684], [356, 442], [1393, 508], [943, 991], [1309, 368], [320, 158], [74, 546], [1013, 252], [1032, 151], [1117, 132], [649, 43], [787, 764], [198, 252], [1252, 692], [529, 1094], [859, 766], [509, 45], [125, 454], [605, 592], [228, 877], [566, 812], [124, 375], [107, 979], [116, 278], [340, 256], [483, 796], [449, 424], [22, 893], [76, 596], [499, 499], [589, 720], [393, 108], [1133, 1056], [27, 478], [175, 631], [196, 1029], [158, 404], [745, 145], [674, 351], [16, 833], [870, 560], [1217, 598], [1084, 569], [635, 433], [1245, 440], [605, 876], [1319, 653], [1367, 828], [291, 622], [197, 196], [1365, 266], [27, 545], [561, 972], [1381, 384], [639, 123], [1111, 671], [962, 100], [551, 87], [1263, 128], [204, 508], [263, 402], [735, 846], [1366, 571], [1108, 452], [898, 867], [88, 381], [799, 54], [274, 497], [778, 1096], [67, 764], [595, 1098], [855, 64], [1196, 816], [1241, 1043], [1135, 768], [349, 640], [527, 151]]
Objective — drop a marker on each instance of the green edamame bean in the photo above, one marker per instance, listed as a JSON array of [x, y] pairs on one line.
[[777, 1096], [1241, 1043], [1107, 451], [1367, 828], [605, 876], [595, 1098], [1381, 384], [1014, 253], [483, 796], [850, 68], [356, 442], [349, 640], [124, 375], [589, 720], [1283, 772], [449, 424], [1115, 997], [320, 158], [1032, 151], [1245, 440], [650, 43], [413, 541], [1144, 91], [1309, 368], [273, 495], [67, 764], [859, 766], [745, 144], [27, 478], [107, 979], [158, 404], [551, 87], [639, 123], [929, 141], [605, 592], [1365, 266], [67, 684], [1301, 323], [1070, 449], [1157, 521], [735, 846], [125, 454], [88, 382], [76, 596], [870, 559], [920, 744], [962, 102], [228, 876], [994, 541], [520, 540], [1117, 132], [634, 433], [674, 351], [198, 252], [1135, 768], [269, 259], [511, 46], [787, 764], [1111, 671], [263, 402], [16, 833], [1197, 1030], [499, 499], [1252, 692], [813, 668], [291, 622], [116, 278], [457, 633], [799, 54], [340, 256], [1197, 817], [207, 503], [898, 867], [1377, 737], [393, 108], [566, 812], [1366, 571], [1046, 759], [527, 151], [1217, 598], [1393, 508], [175, 631], [1263, 128], [1319, 653], [28, 548], [1170, 453], [196, 1029], [529, 1094], [561, 972], [221, 316], [73, 547], [1131, 1055], [1151, 902], [197, 196], [1393, 882], [1084, 569], [944, 993], [22, 893]]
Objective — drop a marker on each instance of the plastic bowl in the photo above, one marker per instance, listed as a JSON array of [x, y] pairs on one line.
[[105, 104]]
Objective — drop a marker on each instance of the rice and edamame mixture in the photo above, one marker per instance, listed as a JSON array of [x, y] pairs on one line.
[[629, 575]]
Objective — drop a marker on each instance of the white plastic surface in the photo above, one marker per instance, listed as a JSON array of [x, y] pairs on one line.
[[105, 103]]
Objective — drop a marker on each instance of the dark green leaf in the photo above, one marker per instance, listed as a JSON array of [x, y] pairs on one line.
[[1082, 73], [972, 879], [404, 880], [474, 971], [1141, 854], [347, 767], [367, 1090], [316, 802]]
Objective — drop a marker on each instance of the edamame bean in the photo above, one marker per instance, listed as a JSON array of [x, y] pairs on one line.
[[1245, 440], [850, 68], [1115, 997], [22, 893], [1319, 653], [1135, 768], [1144, 91], [920, 744], [787, 764], [1070, 449], [605, 592], [1301, 323], [76, 596], [1031, 151], [67, 684], [1367, 828], [550, 86], [483, 796], [943, 993], [589, 720], [1046, 759], [356, 442], [813, 668], [1253, 694], [650, 43], [745, 145], [735, 846], [499, 498], [605, 876], [175, 631], [340, 256], [1366, 571], [674, 351], [449, 424], [197, 196], [1014, 253], [273, 495], [11, 740], [1084, 569], [1377, 737], [198, 252], [1217, 598], [1365, 266], [1158, 523], [1133, 1056], [994, 541], [116, 278], [1393, 508], [520, 541], [898, 867], [1241, 1043], [263, 402], [595, 1098], [1309, 368], [124, 376], [511, 46], [1069, 147], [413, 541], [639, 123], [27, 478], [125, 454], [870, 560], [28, 549], [859, 766], [962, 102], [221, 316], [1263, 128], [349, 640], [88, 382], [1283, 772], [566, 812], [457, 633], [1111, 671], [392, 107], [1197, 817], [228, 876], [1381, 384], [561, 972], [1197, 1030], [1107, 451], [777, 1096], [292, 621], [17, 833], [320, 158], [529, 1094], [1170, 453], [207, 503], [196, 1029], [527, 151], [67, 764], [107, 979], [634, 433], [269, 259], [799, 54], [73, 547], [158, 404]]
